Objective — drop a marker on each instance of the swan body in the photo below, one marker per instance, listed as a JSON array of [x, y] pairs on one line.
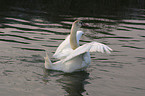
[[74, 57]]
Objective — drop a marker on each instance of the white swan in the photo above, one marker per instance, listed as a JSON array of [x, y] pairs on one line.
[[72, 56]]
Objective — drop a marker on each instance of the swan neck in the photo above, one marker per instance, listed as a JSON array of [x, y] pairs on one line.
[[73, 39]]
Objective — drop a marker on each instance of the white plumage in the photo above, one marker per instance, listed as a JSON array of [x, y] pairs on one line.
[[88, 47], [74, 58], [64, 48]]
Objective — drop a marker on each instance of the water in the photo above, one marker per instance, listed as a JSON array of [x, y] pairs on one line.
[[28, 28]]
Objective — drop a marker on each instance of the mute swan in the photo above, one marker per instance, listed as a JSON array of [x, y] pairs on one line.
[[72, 56]]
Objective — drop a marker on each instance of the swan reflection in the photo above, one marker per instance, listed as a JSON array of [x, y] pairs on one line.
[[72, 83]]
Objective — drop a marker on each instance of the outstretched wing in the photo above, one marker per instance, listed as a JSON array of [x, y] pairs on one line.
[[99, 47], [89, 47]]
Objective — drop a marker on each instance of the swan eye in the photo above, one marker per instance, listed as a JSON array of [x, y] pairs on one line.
[[80, 23]]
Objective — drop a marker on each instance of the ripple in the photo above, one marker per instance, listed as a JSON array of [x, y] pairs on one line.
[[133, 47], [132, 23], [49, 46], [31, 59], [143, 36], [30, 49], [17, 19], [32, 24], [137, 88], [123, 29], [133, 28], [14, 41], [23, 37], [22, 28]]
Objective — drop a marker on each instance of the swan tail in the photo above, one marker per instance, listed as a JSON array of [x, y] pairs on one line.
[[48, 63]]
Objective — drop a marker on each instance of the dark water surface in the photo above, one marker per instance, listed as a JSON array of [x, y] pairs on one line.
[[29, 27]]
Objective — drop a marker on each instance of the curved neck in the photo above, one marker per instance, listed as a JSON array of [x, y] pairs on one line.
[[73, 39]]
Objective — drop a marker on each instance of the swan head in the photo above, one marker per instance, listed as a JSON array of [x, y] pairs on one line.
[[78, 23]]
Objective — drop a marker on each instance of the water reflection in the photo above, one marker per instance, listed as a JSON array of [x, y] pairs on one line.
[[72, 83]]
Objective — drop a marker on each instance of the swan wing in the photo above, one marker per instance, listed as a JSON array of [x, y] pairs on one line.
[[99, 47], [64, 45], [89, 47], [64, 48]]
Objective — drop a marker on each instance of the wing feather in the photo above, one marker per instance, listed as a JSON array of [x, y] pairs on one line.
[[64, 48], [89, 47], [80, 50], [64, 45]]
